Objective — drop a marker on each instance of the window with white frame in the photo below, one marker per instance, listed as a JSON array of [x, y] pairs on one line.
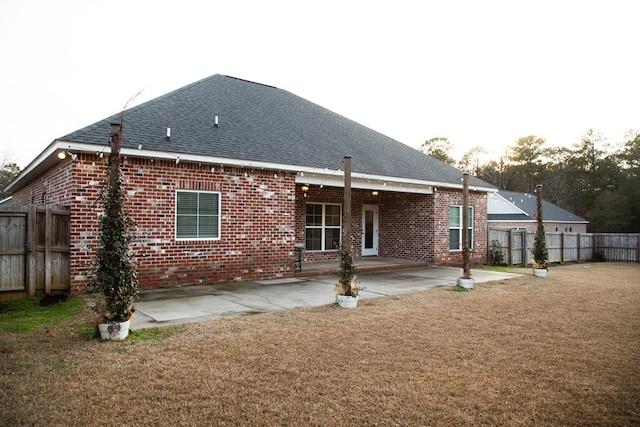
[[322, 229], [197, 215], [455, 227]]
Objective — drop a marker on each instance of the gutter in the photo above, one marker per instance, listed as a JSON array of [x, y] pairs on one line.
[[304, 174]]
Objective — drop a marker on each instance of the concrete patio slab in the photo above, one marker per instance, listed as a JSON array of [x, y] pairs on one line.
[[197, 303]]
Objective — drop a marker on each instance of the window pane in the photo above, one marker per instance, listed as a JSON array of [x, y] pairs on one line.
[[470, 217], [314, 215], [368, 229], [331, 239], [314, 239], [332, 217], [187, 203], [454, 239], [208, 227], [187, 227], [454, 216], [208, 204]]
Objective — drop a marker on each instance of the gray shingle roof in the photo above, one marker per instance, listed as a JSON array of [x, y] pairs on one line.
[[265, 124], [528, 203]]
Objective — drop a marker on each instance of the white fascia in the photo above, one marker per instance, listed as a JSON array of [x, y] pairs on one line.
[[304, 174]]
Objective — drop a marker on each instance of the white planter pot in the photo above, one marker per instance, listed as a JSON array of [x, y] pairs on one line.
[[114, 331], [345, 301], [465, 283], [540, 272]]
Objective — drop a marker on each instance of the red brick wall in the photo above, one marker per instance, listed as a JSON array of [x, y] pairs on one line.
[[333, 195], [406, 226], [257, 227], [411, 226], [442, 200], [54, 187]]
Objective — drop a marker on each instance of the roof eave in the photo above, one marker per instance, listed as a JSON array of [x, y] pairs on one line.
[[304, 174]]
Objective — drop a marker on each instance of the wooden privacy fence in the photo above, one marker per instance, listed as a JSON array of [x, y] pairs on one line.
[[619, 247], [517, 245], [34, 251]]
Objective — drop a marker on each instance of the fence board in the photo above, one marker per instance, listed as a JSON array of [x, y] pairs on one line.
[[618, 247], [565, 247], [12, 244], [43, 234]]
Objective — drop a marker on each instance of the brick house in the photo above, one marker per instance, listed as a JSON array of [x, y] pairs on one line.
[[225, 177]]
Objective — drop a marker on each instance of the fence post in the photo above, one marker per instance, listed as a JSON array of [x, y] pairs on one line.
[[578, 244], [32, 259], [561, 248], [47, 249], [510, 246], [524, 248]]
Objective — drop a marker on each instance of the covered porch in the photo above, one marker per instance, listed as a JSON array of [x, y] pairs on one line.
[[317, 268]]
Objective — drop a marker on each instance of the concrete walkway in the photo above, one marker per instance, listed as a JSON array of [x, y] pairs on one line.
[[165, 307]]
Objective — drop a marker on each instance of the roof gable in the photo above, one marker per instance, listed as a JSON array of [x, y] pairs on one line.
[[262, 123]]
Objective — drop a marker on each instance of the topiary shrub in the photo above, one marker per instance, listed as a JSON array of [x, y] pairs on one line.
[[114, 283]]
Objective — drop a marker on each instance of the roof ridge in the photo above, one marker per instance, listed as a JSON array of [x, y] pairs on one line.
[[249, 81]]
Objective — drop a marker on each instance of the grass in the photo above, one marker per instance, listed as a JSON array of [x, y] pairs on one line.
[[60, 366], [25, 315], [523, 351], [517, 269], [154, 334]]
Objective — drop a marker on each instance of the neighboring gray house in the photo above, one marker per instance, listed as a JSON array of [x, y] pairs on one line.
[[510, 209]]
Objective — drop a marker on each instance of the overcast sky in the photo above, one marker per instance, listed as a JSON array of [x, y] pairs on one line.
[[476, 72]]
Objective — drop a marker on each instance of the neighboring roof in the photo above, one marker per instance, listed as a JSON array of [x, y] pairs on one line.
[[6, 202], [523, 207], [263, 124]]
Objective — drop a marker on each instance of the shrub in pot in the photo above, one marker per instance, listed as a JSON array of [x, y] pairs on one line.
[[347, 288], [114, 283], [540, 251]]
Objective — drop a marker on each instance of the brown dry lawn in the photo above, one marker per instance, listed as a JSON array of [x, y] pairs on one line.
[[564, 350]]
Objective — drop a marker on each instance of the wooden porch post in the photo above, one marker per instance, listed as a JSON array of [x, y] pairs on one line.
[[466, 274], [347, 200]]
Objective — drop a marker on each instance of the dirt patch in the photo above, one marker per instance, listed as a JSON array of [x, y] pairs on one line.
[[564, 350]]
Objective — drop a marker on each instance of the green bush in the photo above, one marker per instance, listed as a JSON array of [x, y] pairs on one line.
[[496, 254]]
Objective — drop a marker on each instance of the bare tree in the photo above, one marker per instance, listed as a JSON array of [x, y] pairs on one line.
[[439, 148]]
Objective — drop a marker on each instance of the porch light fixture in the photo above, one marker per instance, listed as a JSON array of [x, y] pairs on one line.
[[305, 188], [374, 193], [63, 155]]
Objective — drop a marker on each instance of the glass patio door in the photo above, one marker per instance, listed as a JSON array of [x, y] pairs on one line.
[[369, 230]]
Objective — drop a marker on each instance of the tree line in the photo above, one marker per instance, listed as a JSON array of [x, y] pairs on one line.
[[594, 179]]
